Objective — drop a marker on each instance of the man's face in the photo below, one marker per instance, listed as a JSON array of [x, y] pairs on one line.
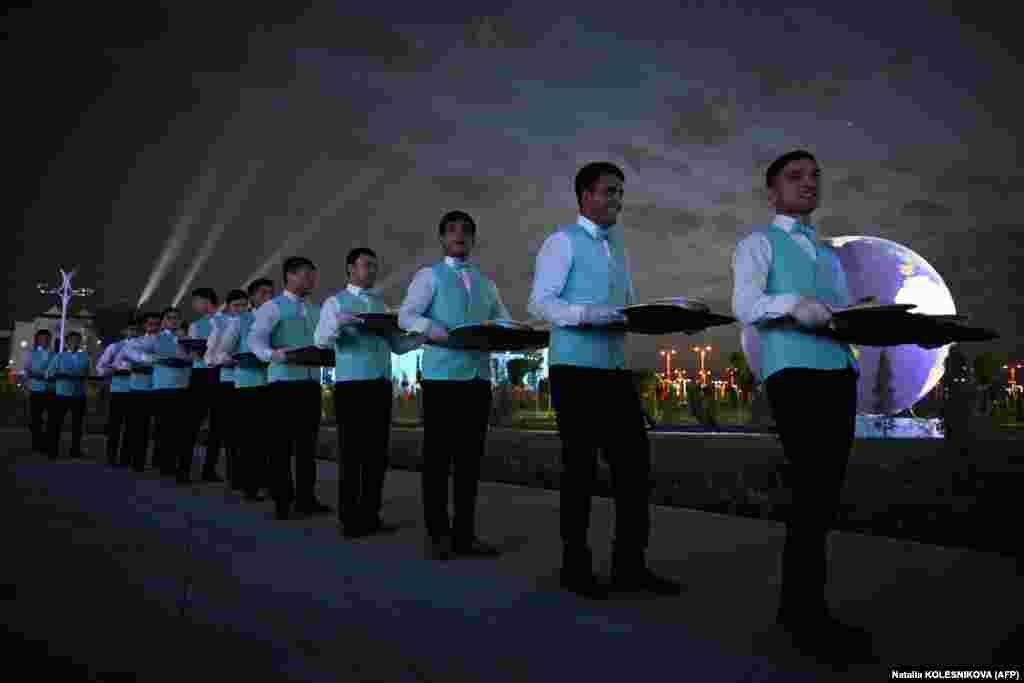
[[603, 202], [151, 325], [458, 239], [262, 295], [795, 190], [200, 305], [363, 273], [43, 340], [172, 320], [304, 280], [238, 306]]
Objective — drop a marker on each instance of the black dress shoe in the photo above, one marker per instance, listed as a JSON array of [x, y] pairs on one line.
[[439, 549], [819, 633], [282, 511], [314, 507], [475, 548], [212, 478], [354, 531], [584, 584], [377, 527], [253, 498], [643, 580]]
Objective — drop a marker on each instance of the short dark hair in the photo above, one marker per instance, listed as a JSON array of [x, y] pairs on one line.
[[206, 293], [150, 315], [775, 168], [591, 173], [44, 331], [169, 309], [235, 295], [257, 283], [354, 255], [453, 216], [294, 264], [73, 333]]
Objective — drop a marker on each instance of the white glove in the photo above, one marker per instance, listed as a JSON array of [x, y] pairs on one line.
[[277, 356], [346, 319], [437, 333], [601, 314], [812, 314]]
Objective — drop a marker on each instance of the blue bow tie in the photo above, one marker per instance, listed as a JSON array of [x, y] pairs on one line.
[[461, 266], [805, 229]]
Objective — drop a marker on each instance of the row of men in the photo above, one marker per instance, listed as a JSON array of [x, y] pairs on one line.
[[582, 279]]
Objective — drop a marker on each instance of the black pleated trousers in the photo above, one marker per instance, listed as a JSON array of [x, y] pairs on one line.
[[117, 413], [140, 429], [252, 429], [60, 407], [363, 411], [40, 403], [293, 435]]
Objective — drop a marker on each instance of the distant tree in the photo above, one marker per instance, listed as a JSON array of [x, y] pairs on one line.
[[517, 369], [646, 382], [987, 365], [745, 379], [883, 385]]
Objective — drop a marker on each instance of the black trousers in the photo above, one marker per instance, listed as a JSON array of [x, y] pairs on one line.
[[202, 388], [251, 426], [117, 412], [455, 416], [363, 411], [297, 407], [815, 413], [140, 429], [61, 406], [40, 402], [600, 410], [171, 421], [226, 422]]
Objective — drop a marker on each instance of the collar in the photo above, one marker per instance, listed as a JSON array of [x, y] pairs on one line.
[[453, 262], [788, 223], [292, 295], [592, 228], [360, 291]]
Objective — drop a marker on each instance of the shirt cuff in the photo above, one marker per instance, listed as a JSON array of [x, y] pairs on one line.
[[421, 326]]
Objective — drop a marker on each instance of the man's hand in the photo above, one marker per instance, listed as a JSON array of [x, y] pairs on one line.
[[601, 314], [437, 333], [867, 300], [346, 319], [278, 356], [812, 314]]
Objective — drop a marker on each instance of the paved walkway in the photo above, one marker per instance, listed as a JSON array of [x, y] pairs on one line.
[[121, 572]]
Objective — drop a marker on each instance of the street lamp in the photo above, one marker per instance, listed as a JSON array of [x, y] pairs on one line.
[[65, 292], [1013, 367], [668, 353], [701, 350]]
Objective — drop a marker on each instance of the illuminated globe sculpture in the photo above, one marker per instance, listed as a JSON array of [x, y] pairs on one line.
[[896, 275]]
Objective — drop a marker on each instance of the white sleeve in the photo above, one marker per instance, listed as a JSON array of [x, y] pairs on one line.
[[500, 310], [265, 318], [751, 265], [417, 301], [104, 365], [550, 274], [327, 327]]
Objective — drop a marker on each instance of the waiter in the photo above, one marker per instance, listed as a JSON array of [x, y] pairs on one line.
[[236, 303], [70, 368], [169, 397], [786, 281], [456, 386], [362, 394], [252, 412], [287, 322], [42, 389], [141, 408], [581, 281], [112, 363], [203, 385]]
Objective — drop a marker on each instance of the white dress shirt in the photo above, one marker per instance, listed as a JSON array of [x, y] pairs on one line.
[[421, 293], [113, 358], [552, 271], [752, 262], [264, 319]]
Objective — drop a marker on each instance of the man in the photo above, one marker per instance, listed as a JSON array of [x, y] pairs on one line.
[[70, 369], [581, 282], [362, 394], [786, 282], [456, 386], [169, 396], [113, 363], [141, 409], [203, 385], [251, 409], [287, 322], [236, 303], [41, 388]]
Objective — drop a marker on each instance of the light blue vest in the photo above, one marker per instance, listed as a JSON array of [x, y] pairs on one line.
[[227, 374], [793, 272], [120, 384], [248, 377], [71, 363], [203, 331], [592, 279], [452, 306], [38, 364], [140, 382], [293, 330], [165, 376], [360, 355]]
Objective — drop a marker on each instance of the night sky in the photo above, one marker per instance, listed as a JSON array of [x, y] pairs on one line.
[[207, 134]]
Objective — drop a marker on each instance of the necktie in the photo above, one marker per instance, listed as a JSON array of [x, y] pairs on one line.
[[463, 270], [602, 237]]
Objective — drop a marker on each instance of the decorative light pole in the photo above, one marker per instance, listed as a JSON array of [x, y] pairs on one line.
[[668, 353], [65, 292], [701, 350]]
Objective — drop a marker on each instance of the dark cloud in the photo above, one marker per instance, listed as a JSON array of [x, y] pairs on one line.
[[848, 187], [900, 66], [960, 178], [472, 189], [925, 208], [497, 33], [702, 117], [784, 80], [374, 38], [641, 157], [661, 220], [838, 226]]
